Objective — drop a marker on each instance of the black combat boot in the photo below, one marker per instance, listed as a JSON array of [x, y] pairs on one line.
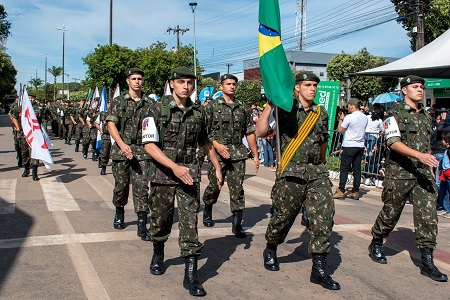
[[77, 147], [318, 274], [376, 251], [119, 218], [428, 268], [34, 173], [85, 151], [99, 164], [26, 171], [270, 258], [103, 170], [142, 231], [94, 155], [68, 141], [19, 162], [157, 264], [305, 220], [207, 216], [237, 224], [190, 281]]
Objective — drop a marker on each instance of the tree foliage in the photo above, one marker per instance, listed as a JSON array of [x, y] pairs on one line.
[[5, 26], [249, 92], [362, 87], [208, 81], [7, 74], [435, 14], [110, 64]]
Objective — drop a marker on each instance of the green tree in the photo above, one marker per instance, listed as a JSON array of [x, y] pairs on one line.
[[55, 71], [36, 82], [5, 27], [435, 13], [7, 74], [249, 92], [109, 64], [157, 62], [204, 82], [362, 87]]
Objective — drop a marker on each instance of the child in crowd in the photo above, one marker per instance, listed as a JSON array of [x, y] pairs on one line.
[[444, 176]]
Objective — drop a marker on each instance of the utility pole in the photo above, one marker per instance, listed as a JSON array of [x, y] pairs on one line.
[[228, 65], [419, 29], [110, 21], [177, 31]]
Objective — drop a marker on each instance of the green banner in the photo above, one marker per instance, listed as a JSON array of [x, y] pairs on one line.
[[437, 83], [328, 97]]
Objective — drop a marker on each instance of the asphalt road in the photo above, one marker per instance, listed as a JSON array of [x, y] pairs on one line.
[[57, 242]]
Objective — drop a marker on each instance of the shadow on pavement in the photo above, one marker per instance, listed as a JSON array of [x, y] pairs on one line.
[[12, 226]]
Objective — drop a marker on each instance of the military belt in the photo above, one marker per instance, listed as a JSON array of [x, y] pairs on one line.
[[305, 159], [135, 142], [232, 141]]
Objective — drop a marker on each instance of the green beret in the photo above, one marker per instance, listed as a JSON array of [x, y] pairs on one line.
[[306, 76], [354, 101], [133, 71], [228, 76], [410, 79], [181, 72], [32, 94]]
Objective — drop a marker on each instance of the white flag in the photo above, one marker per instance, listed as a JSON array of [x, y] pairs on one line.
[[33, 134], [167, 89], [116, 92]]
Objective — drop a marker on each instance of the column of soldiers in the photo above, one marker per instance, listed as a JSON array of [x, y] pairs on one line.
[[155, 150]]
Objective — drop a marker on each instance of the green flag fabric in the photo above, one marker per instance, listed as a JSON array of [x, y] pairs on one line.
[[276, 74]]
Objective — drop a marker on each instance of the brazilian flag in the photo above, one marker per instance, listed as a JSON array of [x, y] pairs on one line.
[[276, 74]]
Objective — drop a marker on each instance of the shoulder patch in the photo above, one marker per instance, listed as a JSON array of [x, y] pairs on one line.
[[391, 127], [149, 131]]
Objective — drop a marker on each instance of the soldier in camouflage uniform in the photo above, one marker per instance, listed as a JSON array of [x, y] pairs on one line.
[[304, 181], [171, 132], [78, 116], [66, 120], [90, 132], [130, 161], [15, 107], [228, 121], [106, 140], [408, 172], [27, 161]]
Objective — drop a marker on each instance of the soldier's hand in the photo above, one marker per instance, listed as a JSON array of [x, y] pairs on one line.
[[428, 159], [222, 150], [183, 174], [256, 160], [219, 178], [126, 150]]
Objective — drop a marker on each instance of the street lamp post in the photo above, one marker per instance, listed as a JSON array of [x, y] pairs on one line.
[[193, 6], [63, 29], [68, 91], [45, 76], [35, 79]]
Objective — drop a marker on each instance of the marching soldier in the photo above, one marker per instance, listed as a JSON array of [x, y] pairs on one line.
[[408, 172], [171, 131], [228, 121], [302, 178], [130, 161]]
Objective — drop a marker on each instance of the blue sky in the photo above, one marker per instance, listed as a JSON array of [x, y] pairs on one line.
[[226, 31]]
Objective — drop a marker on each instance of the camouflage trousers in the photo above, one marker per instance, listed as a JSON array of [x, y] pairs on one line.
[[106, 149], [288, 195], [71, 129], [162, 211], [233, 173], [60, 130], [89, 137], [424, 193], [134, 172], [78, 133], [26, 152], [17, 145]]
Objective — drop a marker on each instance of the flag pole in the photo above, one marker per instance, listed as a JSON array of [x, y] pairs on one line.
[[277, 138]]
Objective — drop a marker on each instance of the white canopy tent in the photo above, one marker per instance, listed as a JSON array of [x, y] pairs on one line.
[[431, 61]]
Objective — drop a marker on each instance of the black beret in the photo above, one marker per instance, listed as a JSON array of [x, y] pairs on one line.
[[410, 79], [306, 76], [228, 76], [133, 71], [181, 72]]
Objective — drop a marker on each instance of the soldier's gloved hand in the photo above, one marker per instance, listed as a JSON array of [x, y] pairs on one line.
[[126, 150], [222, 150], [428, 159], [183, 174], [256, 160]]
